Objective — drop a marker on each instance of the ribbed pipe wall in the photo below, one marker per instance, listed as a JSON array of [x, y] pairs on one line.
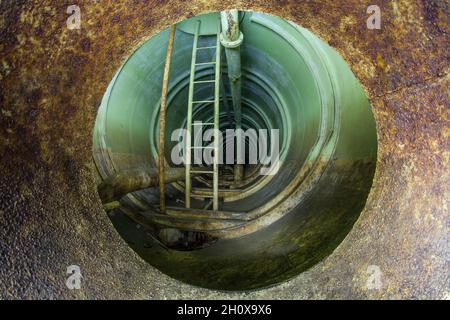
[[292, 81]]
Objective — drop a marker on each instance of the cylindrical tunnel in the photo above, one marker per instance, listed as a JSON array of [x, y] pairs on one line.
[[283, 223]]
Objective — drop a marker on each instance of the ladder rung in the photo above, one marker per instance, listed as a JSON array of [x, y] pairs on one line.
[[203, 124], [205, 81], [203, 48], [206, 172], [204, 101], [200, 190], [205, 63]]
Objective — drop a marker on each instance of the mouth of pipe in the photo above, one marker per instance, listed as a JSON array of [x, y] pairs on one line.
[[291, 81]]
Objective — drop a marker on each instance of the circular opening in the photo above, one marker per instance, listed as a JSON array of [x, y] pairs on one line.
[[309, 151]]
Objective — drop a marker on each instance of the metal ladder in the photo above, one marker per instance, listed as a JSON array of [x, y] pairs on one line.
[[191, 102]]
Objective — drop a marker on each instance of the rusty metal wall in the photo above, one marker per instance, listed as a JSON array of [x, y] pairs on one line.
[[51, 83]]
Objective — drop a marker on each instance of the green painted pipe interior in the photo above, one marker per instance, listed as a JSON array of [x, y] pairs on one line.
[[291, 81]]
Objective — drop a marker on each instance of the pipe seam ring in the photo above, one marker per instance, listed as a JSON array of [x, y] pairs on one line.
[[232, 44]]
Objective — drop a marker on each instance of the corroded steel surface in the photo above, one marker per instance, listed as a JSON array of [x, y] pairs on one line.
[[122, 183], [52, 81]]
